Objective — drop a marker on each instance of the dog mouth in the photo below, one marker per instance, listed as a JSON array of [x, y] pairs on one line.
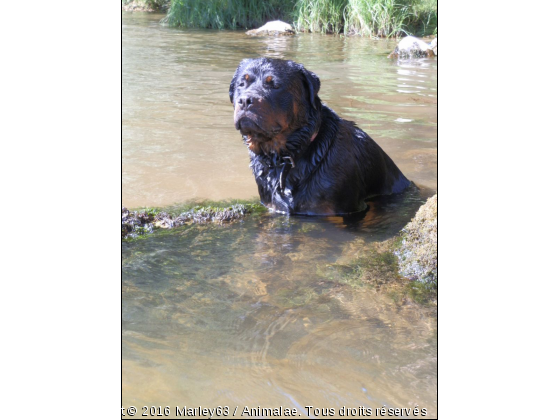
[[251, 129]]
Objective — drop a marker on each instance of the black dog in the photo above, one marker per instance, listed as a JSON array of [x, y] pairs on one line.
[[305, 158]]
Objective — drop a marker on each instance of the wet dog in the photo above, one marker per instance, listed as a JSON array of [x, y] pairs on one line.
[[305, 158]]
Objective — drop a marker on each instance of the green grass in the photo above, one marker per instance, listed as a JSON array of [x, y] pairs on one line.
[[372, 18], [226, 14], [424, 18], [325, 16], [380, 18]]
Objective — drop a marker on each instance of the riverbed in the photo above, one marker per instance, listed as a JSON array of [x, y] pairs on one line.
[[250, 313]]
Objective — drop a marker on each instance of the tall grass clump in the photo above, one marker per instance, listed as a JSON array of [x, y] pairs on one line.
[[325, 16], [226, 14], [378, 18], [373, 18], [424, 18]]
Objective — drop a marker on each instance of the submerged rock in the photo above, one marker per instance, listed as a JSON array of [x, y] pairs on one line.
[[417, 253], [412, 47], [276, 27]]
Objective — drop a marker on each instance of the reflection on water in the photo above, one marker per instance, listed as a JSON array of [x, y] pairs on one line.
[[246, 314], [179, 141]]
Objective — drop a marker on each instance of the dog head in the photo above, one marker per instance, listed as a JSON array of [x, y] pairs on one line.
[[275, 104]]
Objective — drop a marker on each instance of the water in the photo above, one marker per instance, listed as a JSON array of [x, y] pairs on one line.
[[254, 313], [179, 141]]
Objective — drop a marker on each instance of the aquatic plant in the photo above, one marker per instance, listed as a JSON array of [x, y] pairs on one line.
[[375, 266]]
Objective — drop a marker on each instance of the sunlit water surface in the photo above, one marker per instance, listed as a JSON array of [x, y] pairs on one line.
[[247, 314]]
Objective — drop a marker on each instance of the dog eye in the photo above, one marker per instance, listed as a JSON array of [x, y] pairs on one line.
[[245, 78], [270, 82]]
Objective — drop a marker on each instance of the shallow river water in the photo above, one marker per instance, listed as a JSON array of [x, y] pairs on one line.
[[250, 314]]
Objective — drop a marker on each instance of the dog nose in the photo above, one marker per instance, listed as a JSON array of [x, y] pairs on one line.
[[245, 102]]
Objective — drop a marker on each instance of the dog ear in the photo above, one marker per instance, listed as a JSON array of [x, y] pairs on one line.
[[234, 80], [232, 86], [313, 84]]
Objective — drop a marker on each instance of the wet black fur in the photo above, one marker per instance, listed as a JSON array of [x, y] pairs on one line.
[[336, 172]]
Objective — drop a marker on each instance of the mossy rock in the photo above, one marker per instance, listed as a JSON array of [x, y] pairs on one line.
[[417, 252], [136, 224]]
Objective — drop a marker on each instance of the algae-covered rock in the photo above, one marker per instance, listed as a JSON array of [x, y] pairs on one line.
[[135, 223], [139, 223], [276, 27], [417, 253]]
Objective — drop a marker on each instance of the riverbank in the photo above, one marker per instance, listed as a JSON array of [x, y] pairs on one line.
[[368, 18]]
